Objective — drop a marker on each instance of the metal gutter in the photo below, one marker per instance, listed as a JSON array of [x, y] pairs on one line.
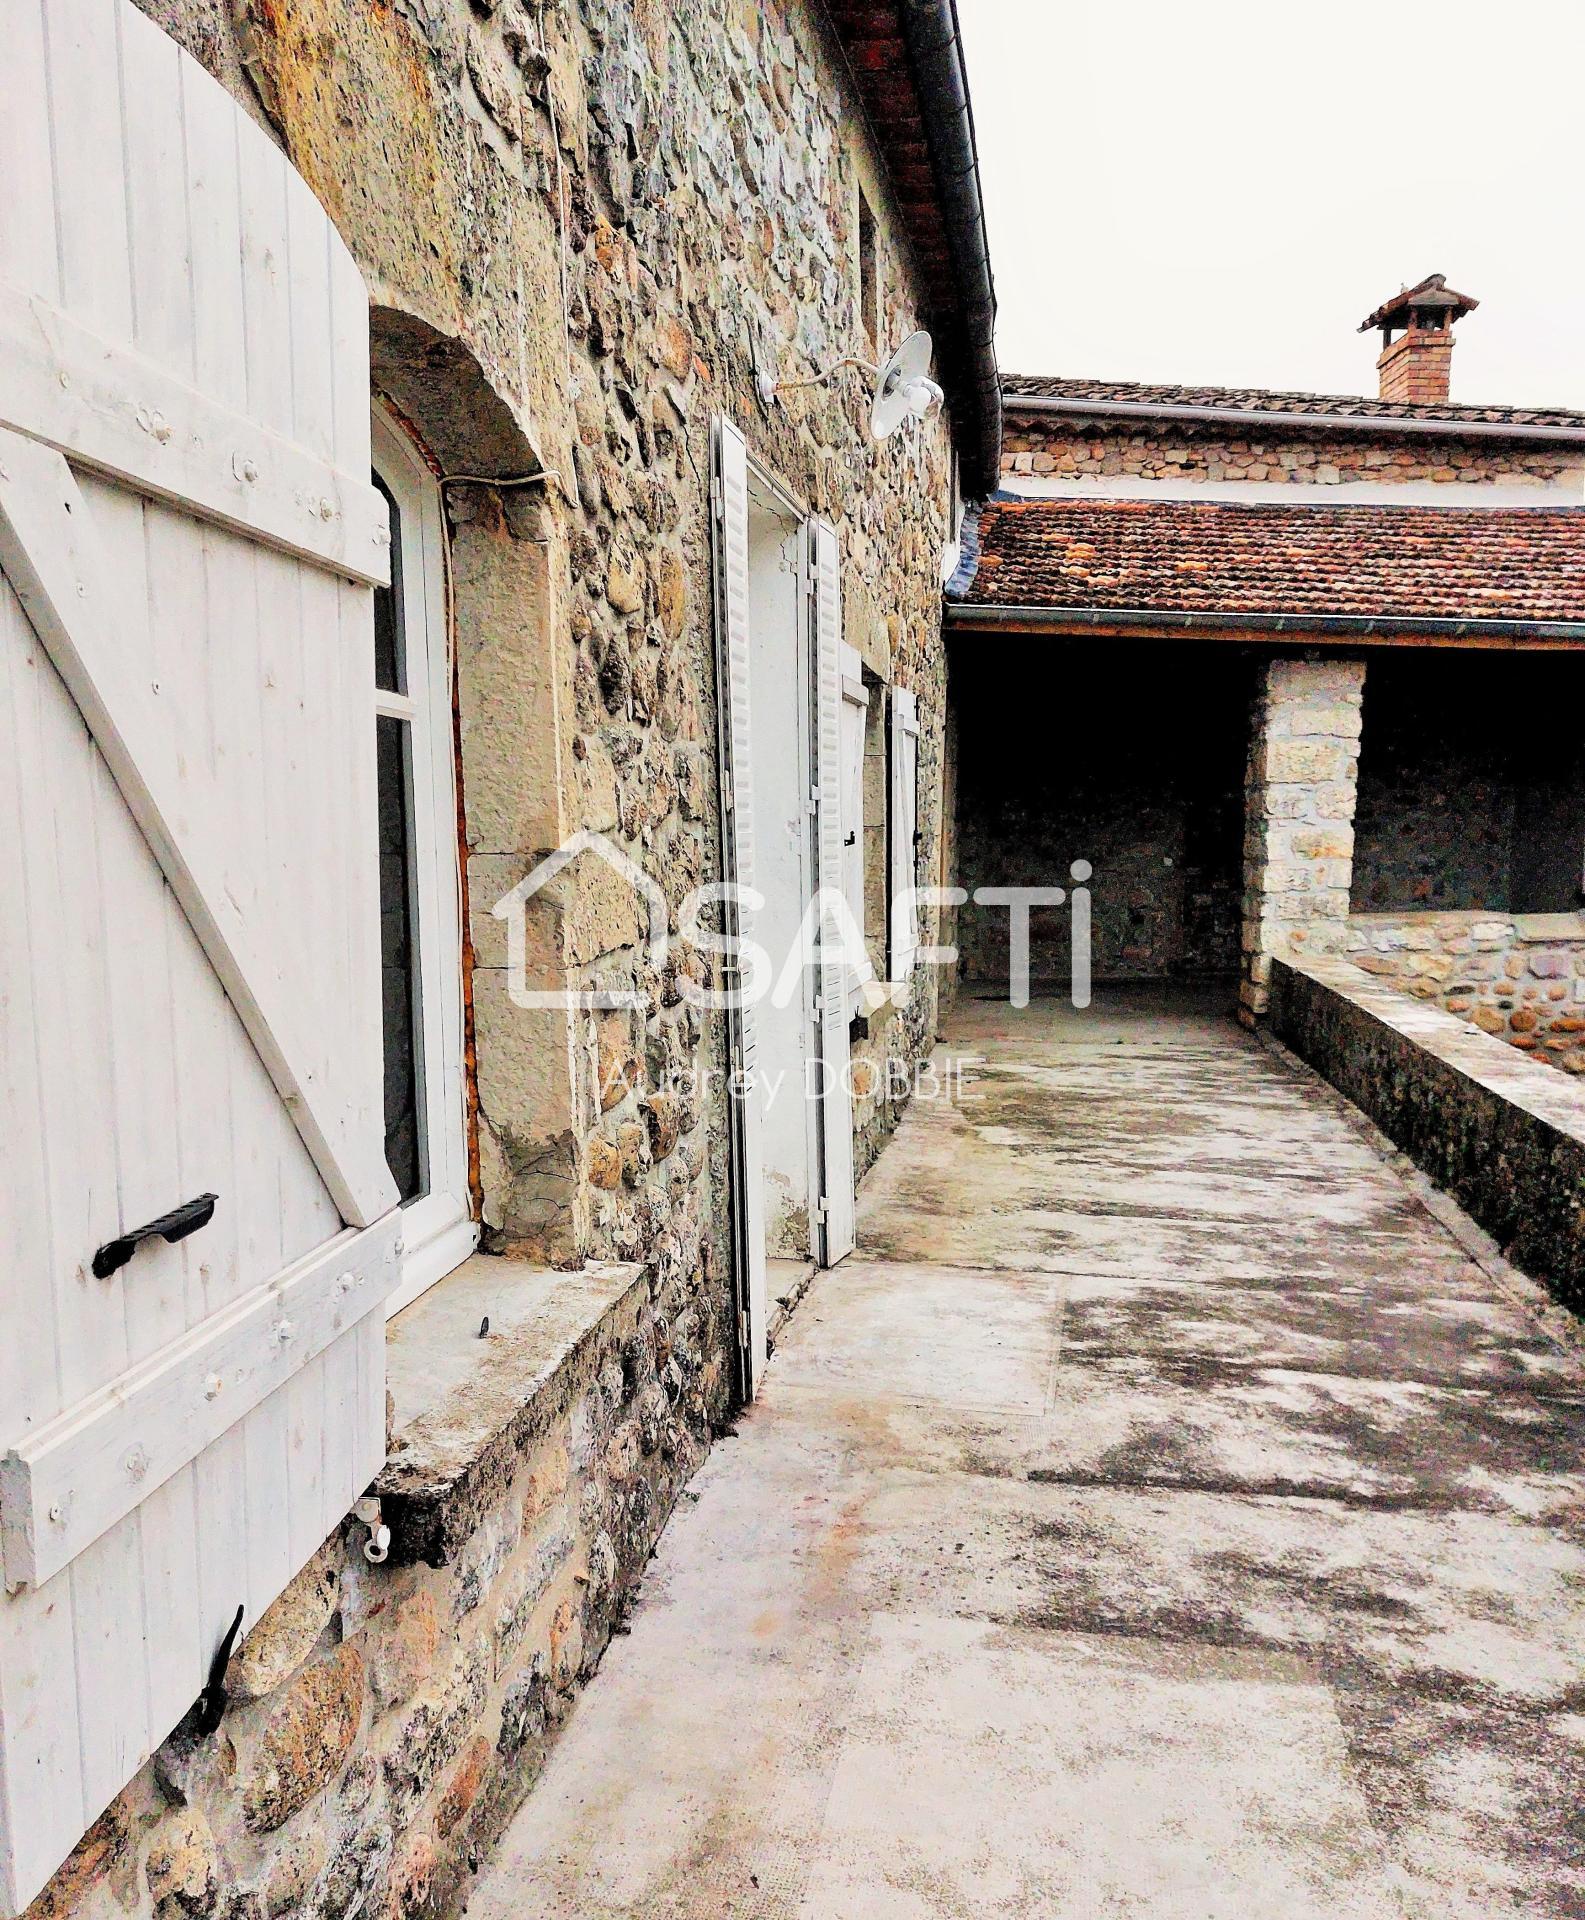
[[1270, 421], [989, 618], [935, 53]]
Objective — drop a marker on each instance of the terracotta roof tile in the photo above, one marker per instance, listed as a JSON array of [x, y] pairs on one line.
[[1379, 562], [1262, 400]]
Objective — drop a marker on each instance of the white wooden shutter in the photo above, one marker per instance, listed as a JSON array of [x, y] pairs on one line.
[[855, 711], [836, 1103], [903, 831], [730, 490], [189, 984]]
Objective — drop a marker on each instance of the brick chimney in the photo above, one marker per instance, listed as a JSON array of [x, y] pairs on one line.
[[1416, 359]]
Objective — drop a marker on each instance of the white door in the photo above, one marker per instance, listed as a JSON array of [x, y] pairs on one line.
[[731, 549], [189, 947], [836, 1208]]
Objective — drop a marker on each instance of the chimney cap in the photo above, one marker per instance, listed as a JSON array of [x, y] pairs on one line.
[[1432, 291]]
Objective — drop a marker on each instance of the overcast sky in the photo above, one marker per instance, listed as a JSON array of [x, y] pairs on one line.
[[1218, 191]]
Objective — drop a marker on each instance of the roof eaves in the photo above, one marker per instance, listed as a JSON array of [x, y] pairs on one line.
[[1385, 425]]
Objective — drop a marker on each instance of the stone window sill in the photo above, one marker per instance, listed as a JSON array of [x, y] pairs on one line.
[[465, 1404]]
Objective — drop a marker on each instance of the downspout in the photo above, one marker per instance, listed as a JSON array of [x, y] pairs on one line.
[[935, 53]]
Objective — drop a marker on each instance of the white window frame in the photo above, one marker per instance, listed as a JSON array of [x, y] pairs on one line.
[[438, 1228]]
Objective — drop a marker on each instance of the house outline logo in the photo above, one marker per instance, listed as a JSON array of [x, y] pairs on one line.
[[512, 907]]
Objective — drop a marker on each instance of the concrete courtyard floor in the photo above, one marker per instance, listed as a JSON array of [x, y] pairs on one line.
[[1161, 1514]]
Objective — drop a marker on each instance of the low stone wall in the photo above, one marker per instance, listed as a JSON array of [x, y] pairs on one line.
[[1518, 976], [384, 1721], [1507, 1142]]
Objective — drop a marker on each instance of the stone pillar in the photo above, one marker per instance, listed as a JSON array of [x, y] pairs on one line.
[[1299, 825]]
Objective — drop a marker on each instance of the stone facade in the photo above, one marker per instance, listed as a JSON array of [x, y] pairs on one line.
[[587, 226], [1299, 836], [1069, 448], [1518, 976]]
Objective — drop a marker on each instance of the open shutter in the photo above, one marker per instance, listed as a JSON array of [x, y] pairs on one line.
[[855, 711], [730, 491], [836, 1100], [903, 831], [189, 946]]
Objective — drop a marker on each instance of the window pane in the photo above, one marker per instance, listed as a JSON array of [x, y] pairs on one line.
[[404, 1067], [390, 649]]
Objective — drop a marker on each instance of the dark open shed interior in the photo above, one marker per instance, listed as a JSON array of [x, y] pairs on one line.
[[1127, 755]]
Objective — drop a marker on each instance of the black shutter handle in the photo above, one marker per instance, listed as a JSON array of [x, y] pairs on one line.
[[171, 1227]]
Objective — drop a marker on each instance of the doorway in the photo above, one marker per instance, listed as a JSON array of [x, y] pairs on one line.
[[779, 695]]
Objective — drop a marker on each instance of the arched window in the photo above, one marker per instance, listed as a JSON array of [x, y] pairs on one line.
[[426, 1138]]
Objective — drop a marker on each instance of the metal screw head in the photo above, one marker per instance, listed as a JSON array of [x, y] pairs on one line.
[[244, 468]]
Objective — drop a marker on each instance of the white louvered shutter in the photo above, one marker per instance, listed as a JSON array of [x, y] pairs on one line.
[[836, 1103], [903, 831], [855, 711], [189, 967], [730, 488]]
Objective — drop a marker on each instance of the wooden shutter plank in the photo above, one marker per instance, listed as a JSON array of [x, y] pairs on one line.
[[158, 237], [82, 43], [97, 1461], [737, 790], [40, 1710], [308, 293], [836, 1104], [46, 548], [122, 414], [27, 233]]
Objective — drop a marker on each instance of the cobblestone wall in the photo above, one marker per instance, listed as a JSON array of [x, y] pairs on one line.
[[1299, 838], [1518, 976], [1074, 449]]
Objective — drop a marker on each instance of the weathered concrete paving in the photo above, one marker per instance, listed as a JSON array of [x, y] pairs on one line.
[[1160, 1516]]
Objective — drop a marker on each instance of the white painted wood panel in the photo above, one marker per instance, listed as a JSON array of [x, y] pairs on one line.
[[836, 1097], [68, 1482], [903, 830], [731, 556], [50, 552], [855, 714], [174, 307]]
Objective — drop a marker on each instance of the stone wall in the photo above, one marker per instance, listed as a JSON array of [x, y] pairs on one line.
[[586, 225], [1471, 783], [1097, 758], [1299, 834], [1518, 976], [1071, 449], [1507, 1142]]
